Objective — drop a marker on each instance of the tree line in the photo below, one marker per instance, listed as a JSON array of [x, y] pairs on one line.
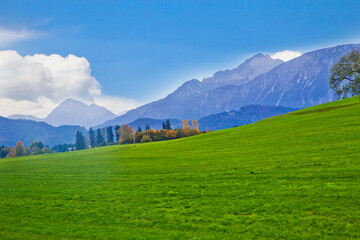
[[107, 136], [35, 148], [126, 134]]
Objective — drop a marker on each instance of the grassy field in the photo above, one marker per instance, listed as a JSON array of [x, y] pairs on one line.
[[295, 176]]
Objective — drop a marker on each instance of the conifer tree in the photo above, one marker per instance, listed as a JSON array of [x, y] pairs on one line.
[[168, 125], [147, 127], [92, 138], [117, 127], [99, 137], [80, 141], [139, 129], [110, 135]]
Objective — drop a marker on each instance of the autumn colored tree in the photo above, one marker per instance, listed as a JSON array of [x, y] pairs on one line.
[[12, 152], [126, 133], [185, 124], [151, 133], [194, 124], [20, 149], [138, 136], [171, 134]]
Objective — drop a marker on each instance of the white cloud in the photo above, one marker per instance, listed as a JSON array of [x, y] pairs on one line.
[[8, 36], [36, 84], [286, 55]]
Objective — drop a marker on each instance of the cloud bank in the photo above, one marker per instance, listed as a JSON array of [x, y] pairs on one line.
[[37, 84], [286, 55], [8, 36]]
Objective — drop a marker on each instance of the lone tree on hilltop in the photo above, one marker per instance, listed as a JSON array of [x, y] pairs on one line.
[[345, 75]]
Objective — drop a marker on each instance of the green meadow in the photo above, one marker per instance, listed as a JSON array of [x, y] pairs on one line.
[[295, 176]]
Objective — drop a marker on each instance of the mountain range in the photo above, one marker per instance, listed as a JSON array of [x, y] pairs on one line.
[[298, 83], [11, 131], [73, 112], [260, 80]]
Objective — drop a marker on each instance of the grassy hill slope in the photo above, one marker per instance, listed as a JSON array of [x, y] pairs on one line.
[[295, 176]]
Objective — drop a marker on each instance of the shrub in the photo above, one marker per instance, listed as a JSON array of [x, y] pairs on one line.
[[145, 139]]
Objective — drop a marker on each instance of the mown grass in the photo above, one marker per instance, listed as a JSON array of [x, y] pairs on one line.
[[295, 176]]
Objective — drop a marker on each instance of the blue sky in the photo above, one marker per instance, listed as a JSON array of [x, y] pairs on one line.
[[142, 50]]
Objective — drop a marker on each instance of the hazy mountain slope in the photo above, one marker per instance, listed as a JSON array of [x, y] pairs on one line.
[[11, 131], [26, 117], [73, 112], [179, 104], [245, 115]]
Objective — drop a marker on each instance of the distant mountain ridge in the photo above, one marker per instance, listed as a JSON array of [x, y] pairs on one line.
[[179, 104], [73, 112], [298, 83], [25, 117], [11, 131]]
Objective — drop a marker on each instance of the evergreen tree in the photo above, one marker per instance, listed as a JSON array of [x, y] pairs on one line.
[[92, 138], [99, 137], [163, 125], [147, 127], [41, 145], [139, 129], [35, 148], [117, 127], [110, 135], [168, 125], [80, 141]]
